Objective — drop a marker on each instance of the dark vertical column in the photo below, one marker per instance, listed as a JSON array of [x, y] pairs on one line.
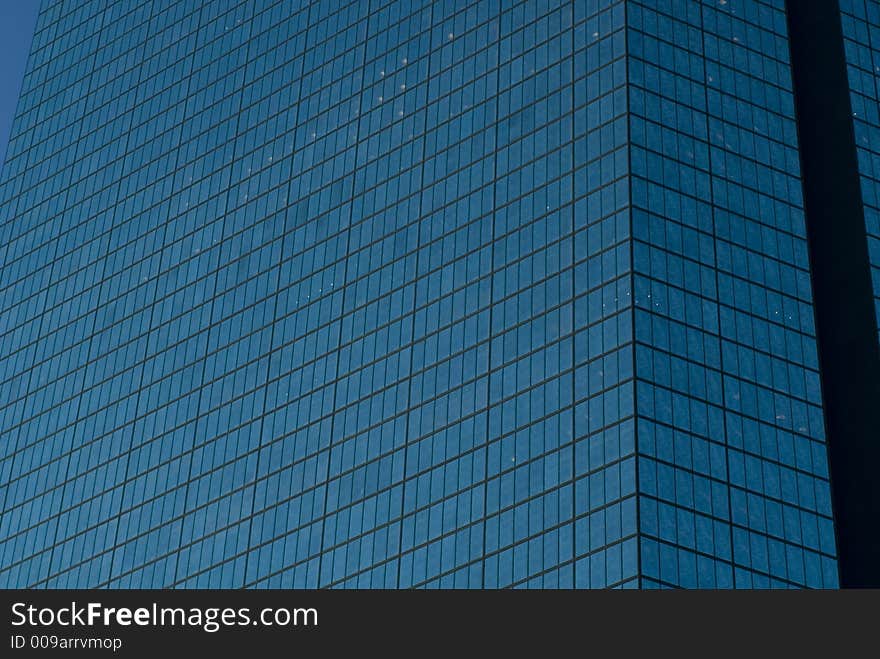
[[849, 352]]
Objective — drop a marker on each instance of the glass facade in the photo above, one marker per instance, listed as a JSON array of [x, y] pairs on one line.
[[860, 20], [462, 293], [733, 471]]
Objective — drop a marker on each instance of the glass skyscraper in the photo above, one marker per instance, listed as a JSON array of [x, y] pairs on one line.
[[861, 32], [390, 293], [835, 66]]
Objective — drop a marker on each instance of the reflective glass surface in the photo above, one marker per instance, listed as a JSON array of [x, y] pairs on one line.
[[408, 294], [732, 466], [861, 38]]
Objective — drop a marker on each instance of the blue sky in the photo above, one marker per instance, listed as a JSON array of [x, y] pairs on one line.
[[17, 20]]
